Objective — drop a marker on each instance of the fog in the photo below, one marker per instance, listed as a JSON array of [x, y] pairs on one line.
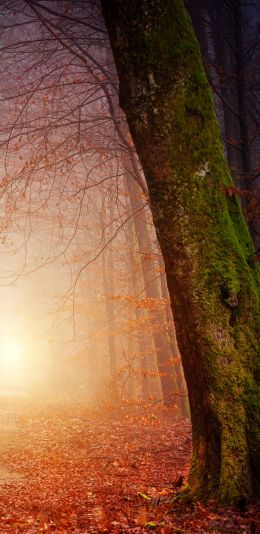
[[87, 310]]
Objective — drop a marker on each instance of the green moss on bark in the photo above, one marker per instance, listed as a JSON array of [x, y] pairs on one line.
[[212, 277]]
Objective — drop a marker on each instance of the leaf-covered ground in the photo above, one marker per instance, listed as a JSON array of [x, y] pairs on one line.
[[71, 468]]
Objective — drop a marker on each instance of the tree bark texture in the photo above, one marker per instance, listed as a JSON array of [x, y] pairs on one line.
[[212, 277], [230, 49]]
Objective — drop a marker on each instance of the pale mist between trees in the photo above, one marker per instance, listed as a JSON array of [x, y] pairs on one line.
[[83, 281]]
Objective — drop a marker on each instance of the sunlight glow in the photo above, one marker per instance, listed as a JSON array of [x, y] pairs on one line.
[[25, 365], [11, 352]]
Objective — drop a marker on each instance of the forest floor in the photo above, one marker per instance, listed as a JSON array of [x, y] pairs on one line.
[[75, 469]]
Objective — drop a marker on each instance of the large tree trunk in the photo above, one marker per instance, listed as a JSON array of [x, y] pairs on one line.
[[228, 41], [212, 277]]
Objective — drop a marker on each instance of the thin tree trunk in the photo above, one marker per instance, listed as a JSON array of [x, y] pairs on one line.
[[182, 399], [142, 338], [109, 289], [151, 281]]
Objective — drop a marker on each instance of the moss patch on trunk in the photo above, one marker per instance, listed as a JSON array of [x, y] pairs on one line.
[[209, 257]]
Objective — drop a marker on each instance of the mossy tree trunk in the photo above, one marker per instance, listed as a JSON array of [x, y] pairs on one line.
[[212, 276]]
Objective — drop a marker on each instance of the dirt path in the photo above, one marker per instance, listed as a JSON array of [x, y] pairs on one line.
[[73, 469]]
